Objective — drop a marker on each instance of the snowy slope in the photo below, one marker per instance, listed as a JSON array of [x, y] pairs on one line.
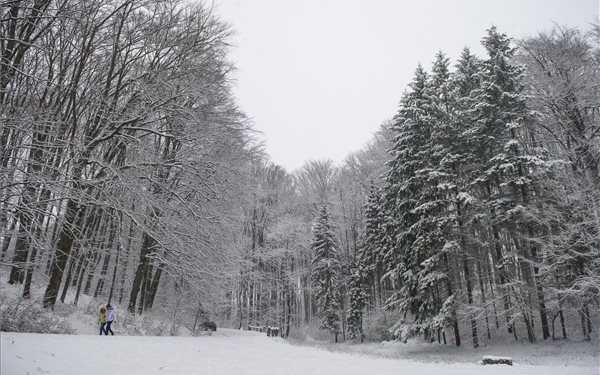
[[227, 352]]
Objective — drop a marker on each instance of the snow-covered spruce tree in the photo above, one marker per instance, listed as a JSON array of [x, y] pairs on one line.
[[455, 167], [413, 258], [325, 270], [436, 202], [507, 178], [396, 202], [357, 293]]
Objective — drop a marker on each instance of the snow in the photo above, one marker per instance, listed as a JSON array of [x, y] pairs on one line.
[[225, 352], [243, 352]]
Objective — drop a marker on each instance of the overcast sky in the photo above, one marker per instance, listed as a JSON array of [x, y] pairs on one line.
[[318, 77]]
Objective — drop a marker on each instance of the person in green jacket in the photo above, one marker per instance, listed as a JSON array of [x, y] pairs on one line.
[[102, 320]]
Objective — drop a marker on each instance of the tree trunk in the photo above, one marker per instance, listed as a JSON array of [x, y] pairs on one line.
[[91, 274], [80, 280], [470, 300], [147, 244], [146, 280], [562, 318], [540, 294], [289, 316], [114, 275], [451, 293], [126, 256], [29, 275], [63, 249], [467, 273], [19, 261], [483, 298], [74, 260], [80, 264], [91, 228], [8, 235], [100, 283], [149, 300]]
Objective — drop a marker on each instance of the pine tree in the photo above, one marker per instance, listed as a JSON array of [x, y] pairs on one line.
[[413, 257], [457, 162], [325, 271], [441, 183], [358, 298], [506, 177]]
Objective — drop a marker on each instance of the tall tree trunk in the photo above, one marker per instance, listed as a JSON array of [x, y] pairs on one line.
[[289, 316], [100, 283], [29, 274], [148, 243], [149, 300], [114, 275], [540, 294], [94, 265], [91, 228], [483, 298], [19, 261], [80, 278], [470, 300], [6, 239], [467, 273], [499, 262], [451, 293], [63, 249], [72, 267], [126, 255], [106, 246], [146, 280]]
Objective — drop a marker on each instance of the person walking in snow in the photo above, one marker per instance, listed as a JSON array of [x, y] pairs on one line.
[[102, 320], [111, 316]]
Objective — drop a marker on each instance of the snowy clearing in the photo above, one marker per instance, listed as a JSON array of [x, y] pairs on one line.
[[225, 352]]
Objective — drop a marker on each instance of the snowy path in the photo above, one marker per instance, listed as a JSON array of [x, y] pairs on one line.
[[227, 352]]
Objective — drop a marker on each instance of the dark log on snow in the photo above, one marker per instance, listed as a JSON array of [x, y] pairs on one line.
[[493, 360]]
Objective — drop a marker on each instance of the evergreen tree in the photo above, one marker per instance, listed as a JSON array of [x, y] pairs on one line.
[[325, 271], [458, 164], [507, 178], [358, 298], [438, 215], [411, 258]]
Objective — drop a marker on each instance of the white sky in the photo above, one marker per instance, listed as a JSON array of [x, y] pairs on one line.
[[318, 77]]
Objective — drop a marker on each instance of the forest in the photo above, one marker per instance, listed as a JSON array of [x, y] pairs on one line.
[[129, 174]]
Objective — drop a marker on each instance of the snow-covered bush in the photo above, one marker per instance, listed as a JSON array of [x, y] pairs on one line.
[[22, 315]]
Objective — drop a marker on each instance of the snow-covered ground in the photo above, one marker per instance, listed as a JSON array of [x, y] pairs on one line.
[[226, 352], [134, 350], [543, 353]]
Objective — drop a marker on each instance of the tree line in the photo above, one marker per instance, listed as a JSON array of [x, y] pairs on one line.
[[473, 214], [123, 151]]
